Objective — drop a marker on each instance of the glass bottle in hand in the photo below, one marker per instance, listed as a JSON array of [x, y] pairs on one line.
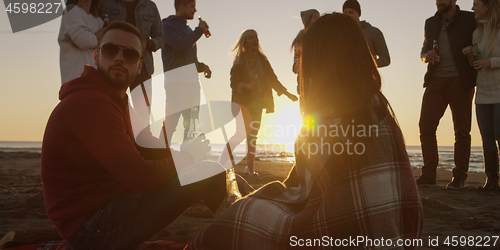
[[435, 48], [194, 125]]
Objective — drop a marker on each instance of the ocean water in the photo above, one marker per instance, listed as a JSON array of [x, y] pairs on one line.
[[446, 158], [20, 146], [284, 153]]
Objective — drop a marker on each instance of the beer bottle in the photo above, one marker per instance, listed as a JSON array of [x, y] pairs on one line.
[[477, 54], [194, 125], [205, 30], [435, 48], [106, 20]]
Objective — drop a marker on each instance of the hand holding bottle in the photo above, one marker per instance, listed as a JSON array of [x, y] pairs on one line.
[[435, 49], [468, 52], [431, 57], [481, 64], [197, 148], [204, 26]]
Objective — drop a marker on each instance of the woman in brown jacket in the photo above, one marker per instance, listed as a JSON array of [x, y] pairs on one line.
[[252, 82]]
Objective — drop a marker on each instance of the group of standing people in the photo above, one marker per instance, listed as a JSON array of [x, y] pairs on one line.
[[373, 36], [103, 190], [252, 78], [467, 55]]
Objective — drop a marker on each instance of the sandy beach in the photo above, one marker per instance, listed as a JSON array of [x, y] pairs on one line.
[[446, 213]]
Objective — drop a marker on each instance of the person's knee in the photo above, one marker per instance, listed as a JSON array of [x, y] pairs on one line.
[[427, 129], [489, 144], [489, 147]]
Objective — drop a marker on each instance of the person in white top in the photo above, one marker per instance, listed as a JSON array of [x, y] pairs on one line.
[[81, 28], [486, 59]]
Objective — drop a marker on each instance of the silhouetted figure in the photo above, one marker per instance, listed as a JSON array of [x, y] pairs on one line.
[[180, 51], [449, 80], [373, 35], [144, 15], [308, 18], [252, 83]]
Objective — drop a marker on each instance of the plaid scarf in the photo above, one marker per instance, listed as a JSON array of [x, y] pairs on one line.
[[337, 197]]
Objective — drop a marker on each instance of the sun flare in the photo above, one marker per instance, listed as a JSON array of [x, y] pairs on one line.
[[284, 128]]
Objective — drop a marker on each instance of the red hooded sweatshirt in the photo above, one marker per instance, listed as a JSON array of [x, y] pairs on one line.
[[89, 155]]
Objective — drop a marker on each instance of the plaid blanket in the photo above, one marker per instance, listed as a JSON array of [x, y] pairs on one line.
[[362, 201]]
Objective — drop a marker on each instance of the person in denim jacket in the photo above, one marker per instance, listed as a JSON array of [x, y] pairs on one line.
[[146, 18], [178, 53]]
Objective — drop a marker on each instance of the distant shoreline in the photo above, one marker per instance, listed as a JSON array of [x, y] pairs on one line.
[[268, 153]]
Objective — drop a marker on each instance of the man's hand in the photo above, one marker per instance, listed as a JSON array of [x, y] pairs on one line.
[[469, 53], [197, 148], [431, 57], [207, 72], [203, 25], [151, 45], [291, 96], [481, 64]]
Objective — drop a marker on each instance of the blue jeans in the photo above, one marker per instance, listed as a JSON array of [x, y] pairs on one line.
[[129, 219], [488, 120]]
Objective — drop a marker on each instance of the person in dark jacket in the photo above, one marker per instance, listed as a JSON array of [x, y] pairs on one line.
[[179, 51], [144, 15], [449, 80], [374, 37], [101, 189], [252, 83], [308, 18]]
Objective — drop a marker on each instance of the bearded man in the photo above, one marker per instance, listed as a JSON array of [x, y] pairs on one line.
[[449, 80]]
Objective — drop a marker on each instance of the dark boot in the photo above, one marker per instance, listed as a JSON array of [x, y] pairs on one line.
[[491, 171]]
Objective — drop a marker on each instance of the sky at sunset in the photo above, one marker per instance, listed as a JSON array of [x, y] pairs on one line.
[[30, 78]]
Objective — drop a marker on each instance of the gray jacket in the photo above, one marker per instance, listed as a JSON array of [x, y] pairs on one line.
[[147, 19], [376, 42]]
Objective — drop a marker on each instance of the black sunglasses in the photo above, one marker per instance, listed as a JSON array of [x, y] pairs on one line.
[[111, 50]]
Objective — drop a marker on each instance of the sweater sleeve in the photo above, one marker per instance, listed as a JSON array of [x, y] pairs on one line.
[[237, 79], [174, 38], [426, 46], [99, 125], [495, 61], [381, 50], [273, 79], [78, 31]]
